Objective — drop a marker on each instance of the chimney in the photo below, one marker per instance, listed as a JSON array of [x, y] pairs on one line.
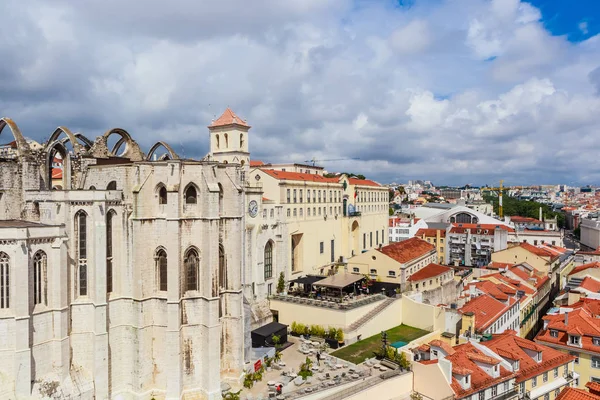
[[540, 214], [566, 319]]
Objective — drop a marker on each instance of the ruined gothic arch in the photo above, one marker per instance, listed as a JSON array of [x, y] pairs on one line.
[[52, 148], [22, 145], [70, 138], [171, 155], [132, 150]]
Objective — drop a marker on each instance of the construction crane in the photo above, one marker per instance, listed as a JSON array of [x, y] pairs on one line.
[[499, 190], [314, 161]]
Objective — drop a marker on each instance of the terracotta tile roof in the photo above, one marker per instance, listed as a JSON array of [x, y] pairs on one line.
[[590, 283], [228, 118], [582, 321], [428, 362], [534, 278], [57, 173], [483, 358], [462, 228], [524, 220], [429, 271], [583, 267], [256, 163], [528, 367], [430, 232], [594, 387], [363, 182], [299, 176], [442, 345], [536, 250], [487, 310], [462, 361], [499, 265], [407, 250], [570, 393], [507, 354], [423, 347]]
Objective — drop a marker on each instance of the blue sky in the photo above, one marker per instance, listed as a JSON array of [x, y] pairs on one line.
[[453, 91], [577, 19]]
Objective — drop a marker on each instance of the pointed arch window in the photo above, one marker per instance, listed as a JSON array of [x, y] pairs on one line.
[[218, 142], [221, 198], [222, 268], [4, 280], [192, 266], [161, 268], [162, 195], [112, 185], [268, 260], [191, 195], [81, 237], [109, 251], [241, 141], [226, 141], [40, 278]]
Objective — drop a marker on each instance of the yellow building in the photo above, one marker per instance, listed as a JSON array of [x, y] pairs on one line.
[[396, 262], [540, 259], [323, 220], [436, 237], [577, 333], [431, 277]]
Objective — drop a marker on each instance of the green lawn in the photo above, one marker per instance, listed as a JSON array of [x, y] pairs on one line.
[[360, 351]]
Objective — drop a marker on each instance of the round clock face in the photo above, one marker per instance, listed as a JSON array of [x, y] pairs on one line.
[[253, 208]]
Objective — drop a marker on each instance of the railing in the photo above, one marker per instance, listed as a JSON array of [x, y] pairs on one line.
[[367, 381], [342, 305], [512, 393]]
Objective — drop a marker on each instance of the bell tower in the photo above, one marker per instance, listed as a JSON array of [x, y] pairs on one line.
[[229, 139]]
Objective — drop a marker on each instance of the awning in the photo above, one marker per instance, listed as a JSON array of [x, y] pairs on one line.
[[307, 280], [340, 280]]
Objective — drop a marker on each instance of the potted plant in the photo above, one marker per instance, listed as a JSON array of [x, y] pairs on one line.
[[249, 380], [331, 338], [340, 337], [281, 283], [276, 341], [268, 362], [277, 356], [232, 395], [294, 329]]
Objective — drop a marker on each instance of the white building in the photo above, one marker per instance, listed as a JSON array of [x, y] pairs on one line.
[[404, 228]]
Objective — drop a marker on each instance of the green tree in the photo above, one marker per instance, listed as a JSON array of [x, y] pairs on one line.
[[281, 283], [391, 211]]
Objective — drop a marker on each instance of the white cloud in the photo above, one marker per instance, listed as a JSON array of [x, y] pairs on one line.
[[408, 91], [583, 27]]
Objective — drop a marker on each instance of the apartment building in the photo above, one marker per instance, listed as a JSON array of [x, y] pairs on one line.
[[575, 330], [431, 277], [504, 367], [472, 245], [436, 237], [396, 262], [404, 228]]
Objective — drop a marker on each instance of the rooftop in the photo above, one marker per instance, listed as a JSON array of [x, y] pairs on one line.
[[228, 118], [407, 250], [299, 176], [17, 223], [584, 267], [429, 271], [487, 309], [570, 393]]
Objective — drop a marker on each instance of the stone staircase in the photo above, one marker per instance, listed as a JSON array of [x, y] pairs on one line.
[[574, 282], [372, 314]]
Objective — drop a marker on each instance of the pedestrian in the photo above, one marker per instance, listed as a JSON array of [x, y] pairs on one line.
[[279, 387], [319, 358]]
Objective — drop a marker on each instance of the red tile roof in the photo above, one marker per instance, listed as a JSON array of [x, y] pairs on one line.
[[57, 173], [570, 393], [363, 182], [583, 267], [462, 228], [430, 232], [299, 176], [536, 250], [591, 284], [583, 320], [499, 265], [442, 345], [256, 163], [528, 367], [462, 362], [524, 220], [429, 271], [228, 118], [486, 309], [594, 387], [407, 250]]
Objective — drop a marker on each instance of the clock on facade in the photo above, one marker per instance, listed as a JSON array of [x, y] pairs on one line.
[[253, 208]]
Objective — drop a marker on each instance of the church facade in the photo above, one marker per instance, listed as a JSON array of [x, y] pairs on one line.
[[127, 283]]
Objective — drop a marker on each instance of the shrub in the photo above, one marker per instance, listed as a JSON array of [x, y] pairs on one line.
[[305, 369], [340, 335], [281, 283], [232, 395], [332, 333], [294, 327], [249, 380], [276, 340]]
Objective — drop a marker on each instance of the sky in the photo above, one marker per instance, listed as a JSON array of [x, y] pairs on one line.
[[453, 91]]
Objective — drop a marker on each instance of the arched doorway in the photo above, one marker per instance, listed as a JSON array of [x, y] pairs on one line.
[[355, 238]]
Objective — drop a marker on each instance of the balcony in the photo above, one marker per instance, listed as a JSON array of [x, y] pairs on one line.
[[511, 394], [354, 214], [331, 302]]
